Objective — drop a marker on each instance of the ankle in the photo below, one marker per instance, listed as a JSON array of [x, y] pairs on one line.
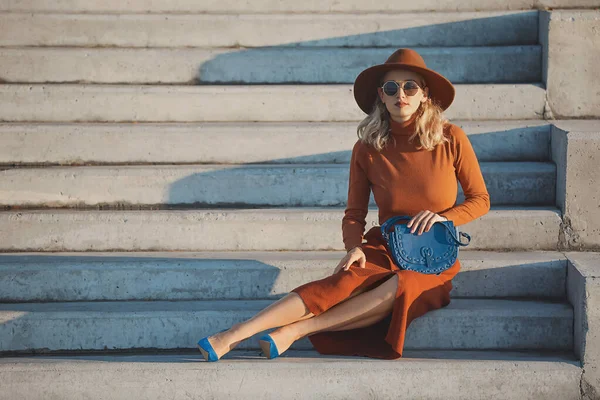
[[291, 332], [238, 331]]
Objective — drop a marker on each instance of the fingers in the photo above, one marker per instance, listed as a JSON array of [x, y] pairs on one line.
[[426, 223], [350, 259], [434, 218], [362, 260], [423, 221], [343, 264], [415, 222]]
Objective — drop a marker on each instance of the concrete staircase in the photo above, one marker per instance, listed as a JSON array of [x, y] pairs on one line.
[[172, 168]]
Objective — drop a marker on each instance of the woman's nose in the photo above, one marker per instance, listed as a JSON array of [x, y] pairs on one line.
[[401, 94]]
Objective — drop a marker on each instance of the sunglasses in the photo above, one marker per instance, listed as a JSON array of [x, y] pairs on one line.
[[391, 88]]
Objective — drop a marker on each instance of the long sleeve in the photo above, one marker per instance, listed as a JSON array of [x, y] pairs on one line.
[[359, 191], [468, 172]]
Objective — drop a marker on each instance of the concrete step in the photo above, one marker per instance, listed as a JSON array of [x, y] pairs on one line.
[[512, 64], [295, 375], [502, 228], [38, 277], [279, 6], [465, 324], [426, 29], [295, 143], [303, 185], [114, 103]]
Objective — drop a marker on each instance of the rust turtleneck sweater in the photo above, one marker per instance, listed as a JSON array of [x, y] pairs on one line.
[[405, 180]]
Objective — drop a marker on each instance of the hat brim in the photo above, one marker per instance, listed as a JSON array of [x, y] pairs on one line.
[[441, 89]]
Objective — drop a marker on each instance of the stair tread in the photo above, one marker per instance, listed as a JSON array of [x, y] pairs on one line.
[[114, 102], [495, 307], [33, 258], [297, 374], [485, 64], [432, 358]]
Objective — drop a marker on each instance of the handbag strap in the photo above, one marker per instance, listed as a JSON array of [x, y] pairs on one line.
[[393, 220]]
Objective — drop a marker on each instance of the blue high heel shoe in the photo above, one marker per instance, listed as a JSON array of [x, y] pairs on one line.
[[268, 340], [207, 350]]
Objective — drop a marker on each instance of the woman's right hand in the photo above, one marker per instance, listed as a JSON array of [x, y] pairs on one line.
[[355, 254]]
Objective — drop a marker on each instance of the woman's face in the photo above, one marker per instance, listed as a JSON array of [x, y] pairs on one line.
[[401, 106]]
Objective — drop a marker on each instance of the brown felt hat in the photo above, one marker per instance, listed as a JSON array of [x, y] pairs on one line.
[[441, 90]]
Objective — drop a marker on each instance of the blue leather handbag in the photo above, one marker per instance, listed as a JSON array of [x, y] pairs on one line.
[[429, 253]]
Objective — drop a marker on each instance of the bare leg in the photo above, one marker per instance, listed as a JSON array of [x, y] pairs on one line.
[[367, 308], [287, 310], [369, 320]]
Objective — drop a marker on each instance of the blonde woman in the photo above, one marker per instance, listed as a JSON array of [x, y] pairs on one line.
[[410, 157]]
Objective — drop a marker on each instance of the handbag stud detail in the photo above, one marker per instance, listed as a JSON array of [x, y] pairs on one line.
[[429, 253]]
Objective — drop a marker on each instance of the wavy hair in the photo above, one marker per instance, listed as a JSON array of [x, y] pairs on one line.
[[374, 129]]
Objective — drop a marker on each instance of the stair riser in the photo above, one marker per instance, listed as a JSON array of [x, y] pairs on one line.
[[296, 185], [283, 65], [69, 277], [353, 30], [535, 326], [251, 229], [329, 103], [203, 142]]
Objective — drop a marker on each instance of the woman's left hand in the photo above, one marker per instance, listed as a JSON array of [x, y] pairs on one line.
[[424, 220]]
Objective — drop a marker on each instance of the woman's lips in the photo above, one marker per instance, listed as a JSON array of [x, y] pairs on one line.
[[401, 104]]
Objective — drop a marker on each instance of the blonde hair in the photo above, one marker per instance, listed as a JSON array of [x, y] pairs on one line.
[[429, 126]]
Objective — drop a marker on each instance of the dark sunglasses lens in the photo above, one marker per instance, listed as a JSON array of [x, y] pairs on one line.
[[411, 88], [390, 88]]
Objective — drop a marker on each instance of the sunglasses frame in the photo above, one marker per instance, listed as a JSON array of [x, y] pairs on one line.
[[401, 86]]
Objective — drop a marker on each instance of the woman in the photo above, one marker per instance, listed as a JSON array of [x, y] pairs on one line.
[[410, 157]]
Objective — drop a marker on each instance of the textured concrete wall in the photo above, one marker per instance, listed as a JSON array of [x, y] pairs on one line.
[[571, 47], [583, 290], [576, 152]]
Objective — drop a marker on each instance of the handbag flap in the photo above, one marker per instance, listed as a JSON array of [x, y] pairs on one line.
[[437, 244]]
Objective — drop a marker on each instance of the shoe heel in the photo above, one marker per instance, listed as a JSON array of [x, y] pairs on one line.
[[207, 350], [268, 341]]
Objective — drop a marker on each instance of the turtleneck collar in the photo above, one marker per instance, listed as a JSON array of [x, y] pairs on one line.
[[405, 128]]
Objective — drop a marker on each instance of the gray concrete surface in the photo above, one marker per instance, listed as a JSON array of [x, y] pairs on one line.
[[299, 185], [502, 228], [458, 375], [106, 103], [255, 142], [26, 277], [427, 29], [571, 56], [576, 153], [509, 64], [285, 6], [465, 324], [583, 290]]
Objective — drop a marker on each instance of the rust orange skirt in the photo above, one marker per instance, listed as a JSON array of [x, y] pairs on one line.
[[416, 295]]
